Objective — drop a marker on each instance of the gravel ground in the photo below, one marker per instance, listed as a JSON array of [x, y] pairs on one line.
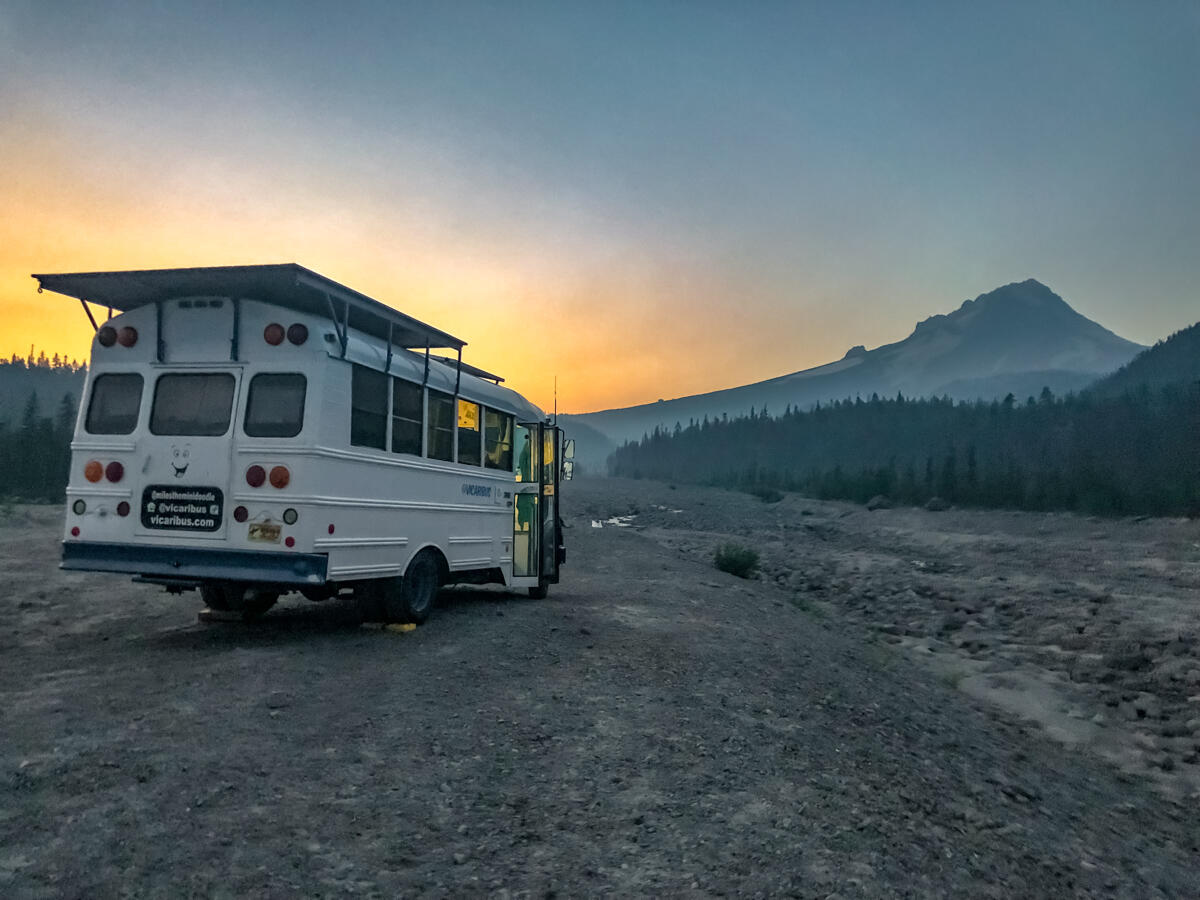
[[654, 728]]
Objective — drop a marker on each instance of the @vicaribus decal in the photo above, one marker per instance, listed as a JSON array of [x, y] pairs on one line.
[[169, 506]]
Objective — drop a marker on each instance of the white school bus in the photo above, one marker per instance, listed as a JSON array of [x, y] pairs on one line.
[[253, 430]]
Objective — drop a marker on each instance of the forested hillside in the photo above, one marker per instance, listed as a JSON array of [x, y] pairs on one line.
[[51, 378], [1135, 453], [1173, 361], [38, 400]]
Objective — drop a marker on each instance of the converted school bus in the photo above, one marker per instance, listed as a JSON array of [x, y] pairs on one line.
[[252, 430]]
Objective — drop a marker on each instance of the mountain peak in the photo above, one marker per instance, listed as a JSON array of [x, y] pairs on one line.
[[1029, 292], [856, 350]]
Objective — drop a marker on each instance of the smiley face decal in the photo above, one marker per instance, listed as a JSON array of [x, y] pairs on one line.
[[181, 458]]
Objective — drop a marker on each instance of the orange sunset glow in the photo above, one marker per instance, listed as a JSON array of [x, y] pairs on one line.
[[637, 225]]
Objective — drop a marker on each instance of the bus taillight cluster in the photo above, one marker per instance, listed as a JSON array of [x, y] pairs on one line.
[[95, 470], [256, 476], [297, 334], [126, 337]]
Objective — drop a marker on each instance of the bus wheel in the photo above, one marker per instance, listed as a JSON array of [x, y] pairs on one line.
[[539, 592], [216, 596], [256, 602], [412, 601]]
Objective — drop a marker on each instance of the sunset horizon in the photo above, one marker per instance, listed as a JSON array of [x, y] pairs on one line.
[[646, 205]]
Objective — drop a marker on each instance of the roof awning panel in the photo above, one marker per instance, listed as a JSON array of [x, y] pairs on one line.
[[288, 285]]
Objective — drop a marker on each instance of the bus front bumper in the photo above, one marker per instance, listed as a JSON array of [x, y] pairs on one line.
[[179, 564]]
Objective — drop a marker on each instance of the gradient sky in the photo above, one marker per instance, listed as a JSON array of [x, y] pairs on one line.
[[649, 199]]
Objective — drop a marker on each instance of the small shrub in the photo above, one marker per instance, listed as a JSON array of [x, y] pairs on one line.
[[736, 560]]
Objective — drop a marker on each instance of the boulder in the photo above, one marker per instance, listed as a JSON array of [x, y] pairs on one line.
[[936, 504], [879, 501]]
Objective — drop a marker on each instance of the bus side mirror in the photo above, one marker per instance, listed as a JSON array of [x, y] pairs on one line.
[[569, 448], [568, 469]]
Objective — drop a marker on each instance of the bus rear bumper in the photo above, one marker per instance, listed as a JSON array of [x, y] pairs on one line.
[[180, 564]]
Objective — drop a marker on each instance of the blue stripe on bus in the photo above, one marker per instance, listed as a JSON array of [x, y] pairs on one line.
[[196, 562]]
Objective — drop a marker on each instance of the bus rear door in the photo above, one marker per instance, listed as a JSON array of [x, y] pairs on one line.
[[185, 477]]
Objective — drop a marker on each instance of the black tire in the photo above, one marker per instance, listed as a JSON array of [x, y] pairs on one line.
[[412, 600], [540, 592], [215, 596], [232, 597], [255, 603]]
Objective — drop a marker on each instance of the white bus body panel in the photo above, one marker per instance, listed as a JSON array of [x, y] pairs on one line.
[[366, 511]]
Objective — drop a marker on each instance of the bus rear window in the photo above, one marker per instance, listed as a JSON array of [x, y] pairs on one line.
[[275, 405], [116, 399], [192, 404]]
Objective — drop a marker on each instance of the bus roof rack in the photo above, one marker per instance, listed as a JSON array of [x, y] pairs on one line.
[[285, 284]]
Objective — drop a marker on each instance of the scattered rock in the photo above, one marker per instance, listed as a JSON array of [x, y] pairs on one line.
[[879, 501], [936, 504]]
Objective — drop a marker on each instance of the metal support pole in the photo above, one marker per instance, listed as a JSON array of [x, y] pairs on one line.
[[458, 373], [425, 377], [387, 366], [345, 326], [159, 349], [87, 309], [236, 302]]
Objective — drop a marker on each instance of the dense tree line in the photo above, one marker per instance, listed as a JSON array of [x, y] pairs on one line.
[[37, 419], [1135, 453], [35, 453]]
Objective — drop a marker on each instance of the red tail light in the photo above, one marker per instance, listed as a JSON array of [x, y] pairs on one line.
[[255, 476], [127, 336], [241, 514], [280, 477], [93, 471], [114, 472], [107, 336], [297, 334], [273, 334], [123, 508]]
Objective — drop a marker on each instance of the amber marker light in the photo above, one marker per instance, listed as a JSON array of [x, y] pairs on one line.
[[93, 471], [280, 477]]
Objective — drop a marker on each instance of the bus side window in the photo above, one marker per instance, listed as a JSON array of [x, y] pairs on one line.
[[406, 417], [368, 407], [116, 398], [441, 426], [468, 433], [498, 440]]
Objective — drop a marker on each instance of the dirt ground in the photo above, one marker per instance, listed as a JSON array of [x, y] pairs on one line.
[[906, 703]]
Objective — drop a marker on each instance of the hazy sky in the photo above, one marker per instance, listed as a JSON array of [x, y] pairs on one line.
[[646, 199]]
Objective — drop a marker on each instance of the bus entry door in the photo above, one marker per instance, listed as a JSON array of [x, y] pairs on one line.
[[536, 521]]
